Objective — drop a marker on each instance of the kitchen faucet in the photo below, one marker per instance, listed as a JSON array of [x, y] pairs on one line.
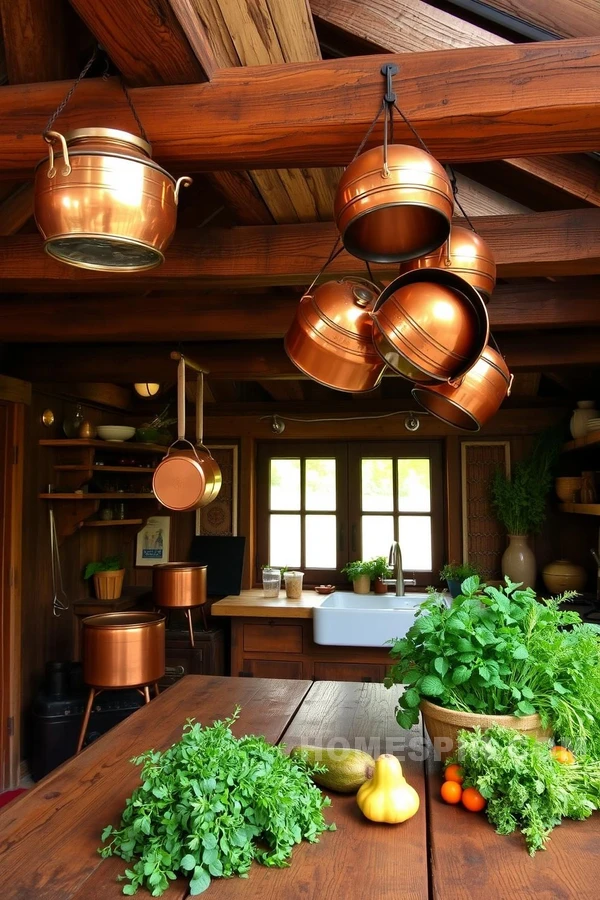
[[395, 561]]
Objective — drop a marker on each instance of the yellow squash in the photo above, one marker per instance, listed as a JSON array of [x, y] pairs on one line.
[[387, 796]]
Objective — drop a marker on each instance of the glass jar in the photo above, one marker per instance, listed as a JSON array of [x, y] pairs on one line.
[[271, 579], [293, 585]]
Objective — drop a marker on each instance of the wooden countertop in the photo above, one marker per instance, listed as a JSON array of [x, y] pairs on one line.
[[49, 836], [253, 603]]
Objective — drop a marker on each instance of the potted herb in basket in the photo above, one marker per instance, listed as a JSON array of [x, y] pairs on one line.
[[380, 570], [108, 574], [360, 573], [455, 573], [500, 656]]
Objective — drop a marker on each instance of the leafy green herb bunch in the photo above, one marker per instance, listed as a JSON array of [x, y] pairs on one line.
[[500, 651]]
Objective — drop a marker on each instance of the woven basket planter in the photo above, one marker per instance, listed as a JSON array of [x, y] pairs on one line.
[[108, 585], [443, 726]]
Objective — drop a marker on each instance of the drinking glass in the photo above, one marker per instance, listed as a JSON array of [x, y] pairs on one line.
[[271, 579]]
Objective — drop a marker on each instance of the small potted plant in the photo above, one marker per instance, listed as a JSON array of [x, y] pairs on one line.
[[360, 573], [108, 574], [455, 573], [380, 570]]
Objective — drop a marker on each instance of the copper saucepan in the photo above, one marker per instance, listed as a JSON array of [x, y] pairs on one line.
[[475, 399], [396, 208], [466, 254], [210, 467], [430, 325], [123, 649], [179, 481], [331, 337]]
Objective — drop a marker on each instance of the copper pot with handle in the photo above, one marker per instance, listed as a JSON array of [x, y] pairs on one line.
[[466, 254], [393, 203], [123, 649], [331, 337], [212, 471], [476, 397], [430, 325], [101, 202]]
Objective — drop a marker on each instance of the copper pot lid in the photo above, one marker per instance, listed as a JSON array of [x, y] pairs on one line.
[[179, 482], [178, 566], [103, 252], [110, 134], [131, 619]]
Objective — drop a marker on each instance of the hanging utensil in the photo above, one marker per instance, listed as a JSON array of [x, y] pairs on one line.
[[210, 466], [60, 599]]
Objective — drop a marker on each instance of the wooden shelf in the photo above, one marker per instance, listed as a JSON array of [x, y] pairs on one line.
[[113, 496], [588, 441], [583, 509], [130, 470], [106, 523], [111, 446]]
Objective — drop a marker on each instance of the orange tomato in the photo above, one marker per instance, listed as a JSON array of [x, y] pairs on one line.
[[455, 773], [562, 755], [451, 792], [472, 800]]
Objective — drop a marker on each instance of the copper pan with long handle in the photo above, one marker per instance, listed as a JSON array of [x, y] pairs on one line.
[[210, 467]]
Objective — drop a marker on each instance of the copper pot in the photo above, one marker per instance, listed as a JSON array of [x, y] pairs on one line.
[[123, 649], [475, 399], [466, 254], [102, 203], [179, 584], [331, 337], [430, 325], [394, 214]]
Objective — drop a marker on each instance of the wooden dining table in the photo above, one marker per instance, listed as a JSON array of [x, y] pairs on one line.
[[50, 835]]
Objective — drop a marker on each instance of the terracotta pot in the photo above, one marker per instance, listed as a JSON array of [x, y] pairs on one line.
[[379, 587], [362, 584], [518, 561], [567, 489], [466, 254], [443, 726], [179, 584], [108, 585], [102, 203], [331, 337], [472, 401], [394, 216], [125, 649], [561, 575], [430, 325]]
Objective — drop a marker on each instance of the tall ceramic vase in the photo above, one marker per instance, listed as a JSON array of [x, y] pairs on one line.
[[518, 560]]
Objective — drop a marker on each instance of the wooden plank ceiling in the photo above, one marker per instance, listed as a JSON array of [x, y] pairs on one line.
[[516, 118]]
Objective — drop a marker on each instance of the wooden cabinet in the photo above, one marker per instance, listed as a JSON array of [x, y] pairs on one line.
[[284, 648]]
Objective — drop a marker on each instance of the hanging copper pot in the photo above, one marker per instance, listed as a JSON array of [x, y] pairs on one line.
[[123, 649], [430, 325], [394, 212], [331, 337], [466, 254], [469, 403], [102, 203]]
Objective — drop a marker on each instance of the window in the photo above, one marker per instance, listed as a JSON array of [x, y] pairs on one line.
[[321, 505]]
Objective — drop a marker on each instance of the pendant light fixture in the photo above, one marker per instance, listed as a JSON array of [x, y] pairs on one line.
[[101, 202], [393, 203], [146, 389]]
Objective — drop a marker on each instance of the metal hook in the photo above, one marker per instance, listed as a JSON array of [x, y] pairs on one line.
[[389, 70]]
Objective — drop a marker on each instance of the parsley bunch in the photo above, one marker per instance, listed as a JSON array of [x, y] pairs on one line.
[[210, 805], [524, 785], [500, 651]]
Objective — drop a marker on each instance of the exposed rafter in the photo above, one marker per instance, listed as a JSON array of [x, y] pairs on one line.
[[16, 210], [565, 18], [35, 40]]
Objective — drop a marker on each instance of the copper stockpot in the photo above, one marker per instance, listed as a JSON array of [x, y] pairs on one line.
[[123, 649], [102, 203], [430, 325], [466, 254], [179, 584], [475, 399], [396, 215], [331, 337]]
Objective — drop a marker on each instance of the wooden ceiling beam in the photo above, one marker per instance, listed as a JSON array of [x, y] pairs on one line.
[[397, 26], [253, 360], [473, 104], [16, 210], [35, 40], [537, 244], [565, 18], [196, 317]]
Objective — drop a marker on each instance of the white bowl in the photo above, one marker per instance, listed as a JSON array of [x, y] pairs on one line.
[[115, 432]]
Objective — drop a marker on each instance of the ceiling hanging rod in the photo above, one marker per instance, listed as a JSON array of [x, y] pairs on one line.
[[176, 355]]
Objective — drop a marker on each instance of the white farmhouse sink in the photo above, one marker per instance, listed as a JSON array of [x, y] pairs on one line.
[[364, 620]]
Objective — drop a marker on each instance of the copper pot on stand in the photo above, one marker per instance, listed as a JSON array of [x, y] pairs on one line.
[[331, 337], [475, 398], [180, 585], [466, 254], [430, 325], [393, 203], [101, 202]]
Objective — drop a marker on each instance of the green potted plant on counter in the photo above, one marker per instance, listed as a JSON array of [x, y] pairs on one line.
[[455, 573], [108, 574], [500, 656], [360, 573], [380, 570]]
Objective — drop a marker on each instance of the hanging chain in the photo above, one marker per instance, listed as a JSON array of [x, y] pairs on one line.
[[335, 252], [60, 108], [453, 182]]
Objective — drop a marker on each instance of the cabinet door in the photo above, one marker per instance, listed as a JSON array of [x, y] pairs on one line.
[[341, 671], [272, 668], [273, 638]]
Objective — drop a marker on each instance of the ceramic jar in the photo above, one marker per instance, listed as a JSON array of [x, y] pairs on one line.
[[585, 410], [362, 584], [562, 575], [518, 561]]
